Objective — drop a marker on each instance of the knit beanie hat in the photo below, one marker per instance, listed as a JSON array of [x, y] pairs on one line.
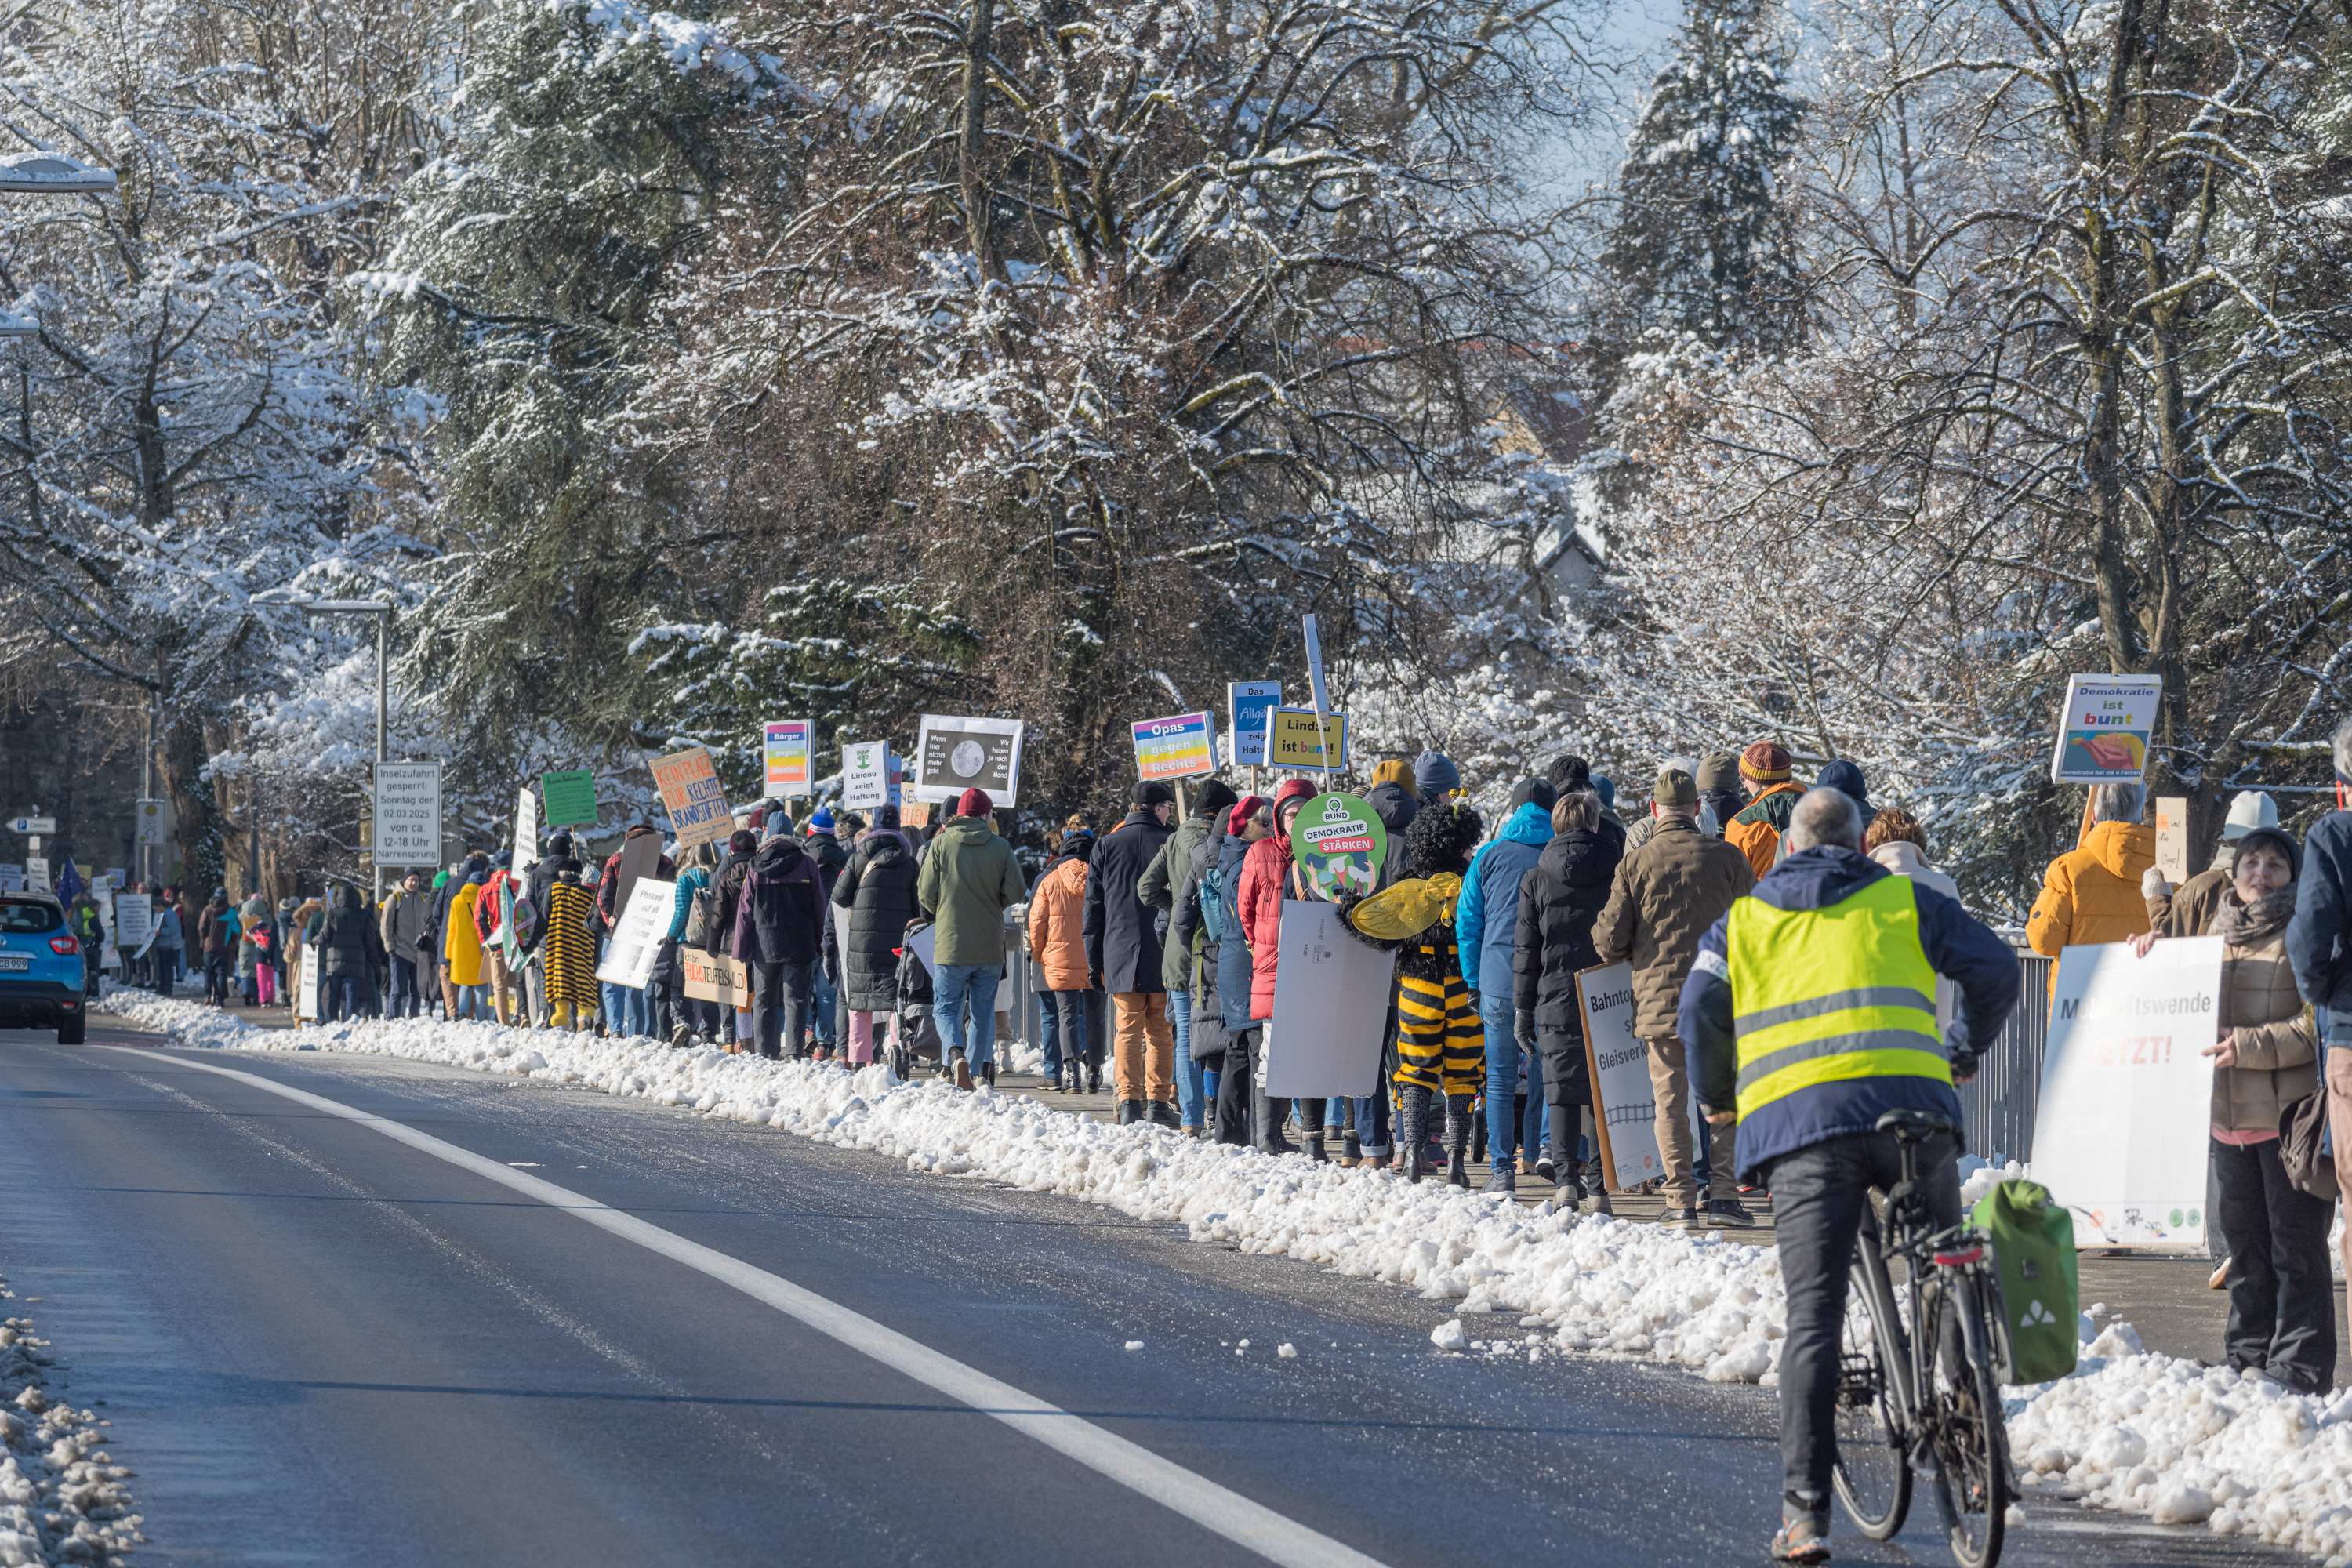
[[1537, 793], [974, 803], [823, 821], [2271, 839], [1675, 788], [1396, 771], [1766, 762], [1433, 773], [1843, 775], [1718, 770], [1569, 773], [1606, 788], [1150, 793], [1248, 807], [1212, 797], [2253, 808]]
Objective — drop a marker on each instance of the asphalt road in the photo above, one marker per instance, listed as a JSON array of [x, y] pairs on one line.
[[319, 1344]]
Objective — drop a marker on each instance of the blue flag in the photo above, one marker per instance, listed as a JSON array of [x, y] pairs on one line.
[[69, 883]]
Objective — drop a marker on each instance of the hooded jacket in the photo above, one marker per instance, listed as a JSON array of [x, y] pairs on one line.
[[348, 945], [1264, 884], [780, 917], [1157, 887], [406, 923], [1234, 962], [727, 899], [1662, 899], [1486, 917], [1559, 901], [970, 879], [1755, 831], [1058, 921], [875, 897], [1209, 1036], [1959, 948], [2092, 895], [446, 892], [461, 945], [1396, 806], [2319, 943], [1123, 932]]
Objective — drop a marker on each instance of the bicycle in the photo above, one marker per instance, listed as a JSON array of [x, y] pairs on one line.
[[1925, 1402]]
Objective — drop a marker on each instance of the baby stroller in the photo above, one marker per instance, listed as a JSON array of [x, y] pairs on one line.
[[917, 1029]]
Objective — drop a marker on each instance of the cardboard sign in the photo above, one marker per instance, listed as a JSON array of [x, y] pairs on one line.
[[640, 857], [1625, 1103], [914, 814], [408, 827], [865, 775], [2120, 1129], [526, 830], [1342, 844], [638, 938], [1293, 742], [714, 977], [954, 754], [926, 941], [790, 744], [305, 990], [2103, 730], [1246, 705], [1183, 746], [2172, 837], [571, 798], [1330, 1007], [694, 799]]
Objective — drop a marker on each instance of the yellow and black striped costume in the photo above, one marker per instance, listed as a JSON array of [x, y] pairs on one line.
[[570, 950], [1441, 1044]]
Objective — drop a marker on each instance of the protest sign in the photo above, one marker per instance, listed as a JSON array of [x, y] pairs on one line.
[[526, 829], [571, 798], [1293, 742], [790, 744], [1342, 844], [639, 857], [638, 938], [694, 798], [954, 754], [2120, 1129], [914, 814], [2172, 837], [1625, 1104], [2103, 730], [865, 775], [714, 977], [37, 872], [103, 896], [408, 827], [1331, 1006], [134, 916], [305, 990], [1246, 703], [925, 941], [1181, 747]]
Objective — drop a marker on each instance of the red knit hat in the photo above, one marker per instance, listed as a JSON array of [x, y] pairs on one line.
[[973, 802], [1766, 762], [1249, 806]]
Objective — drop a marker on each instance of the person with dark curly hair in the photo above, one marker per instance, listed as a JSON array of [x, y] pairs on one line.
[[1441, 1048]]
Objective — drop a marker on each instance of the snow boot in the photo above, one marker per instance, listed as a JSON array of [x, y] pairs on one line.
[[1351, 1150], [1315, 1149], [1162, 1113], [1504, 1178], [1129, 1111], [1094, 1078], [987, 1073], [959, 1069], [1413, 1119], [1460, 1127]]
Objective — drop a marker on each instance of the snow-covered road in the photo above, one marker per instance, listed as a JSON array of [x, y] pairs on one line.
[[326, 1336]]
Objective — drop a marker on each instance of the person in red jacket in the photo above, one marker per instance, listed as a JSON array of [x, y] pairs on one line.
[[1267, 878], [489, 919]]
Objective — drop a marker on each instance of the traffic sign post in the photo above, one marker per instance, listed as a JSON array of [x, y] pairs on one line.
[[33, 823]]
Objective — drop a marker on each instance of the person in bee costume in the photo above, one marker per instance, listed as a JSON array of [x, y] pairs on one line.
[[1441, 1048]]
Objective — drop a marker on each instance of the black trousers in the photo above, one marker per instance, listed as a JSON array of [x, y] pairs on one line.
[[780, 1005], [1820, 1204], [1235, 1080], [2282, 1301]]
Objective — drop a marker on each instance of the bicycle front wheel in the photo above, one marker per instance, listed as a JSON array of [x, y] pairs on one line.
[[1871, 1474], [1972, 1484]]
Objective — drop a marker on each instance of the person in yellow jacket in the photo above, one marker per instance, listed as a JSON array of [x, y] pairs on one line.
[[461, 950], [2092, 895]]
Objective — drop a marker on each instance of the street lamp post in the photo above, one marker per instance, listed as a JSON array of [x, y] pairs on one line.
[[381, 610]]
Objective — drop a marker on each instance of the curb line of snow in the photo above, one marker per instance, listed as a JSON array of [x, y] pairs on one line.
[[2130, 1431], [62, 1497]]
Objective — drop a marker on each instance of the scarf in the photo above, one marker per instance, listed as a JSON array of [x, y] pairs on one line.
[[2242, 924]]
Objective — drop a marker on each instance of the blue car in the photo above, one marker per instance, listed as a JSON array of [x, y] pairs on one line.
[[40, 968]]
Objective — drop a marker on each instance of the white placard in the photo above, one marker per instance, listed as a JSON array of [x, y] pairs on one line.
[[103, 897], [636, 940], [925, 942], [526, 830], [408, 814], [2120, 1129], [865, 775], [37, 872], [305, 996], [1331, 1006], [1625, 1101], [954, 753], [134, 918], [149, 821]]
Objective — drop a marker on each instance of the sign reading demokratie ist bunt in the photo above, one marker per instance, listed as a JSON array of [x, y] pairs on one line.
[[1341, 845]]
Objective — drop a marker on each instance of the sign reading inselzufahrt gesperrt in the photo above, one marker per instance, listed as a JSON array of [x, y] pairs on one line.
[[407, 830]]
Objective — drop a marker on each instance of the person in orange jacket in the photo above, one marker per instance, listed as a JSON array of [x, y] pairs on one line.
[[1057, 945], [2092, 895], [1772, 794]]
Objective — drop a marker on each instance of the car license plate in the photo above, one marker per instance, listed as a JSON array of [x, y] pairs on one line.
[[16, 961]]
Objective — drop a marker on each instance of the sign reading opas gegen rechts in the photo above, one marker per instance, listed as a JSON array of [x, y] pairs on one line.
[[694, 799], [2104, 730], [1342, 844], [1181, 746]]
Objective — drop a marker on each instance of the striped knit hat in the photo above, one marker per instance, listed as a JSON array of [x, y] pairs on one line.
[[1766, 762]]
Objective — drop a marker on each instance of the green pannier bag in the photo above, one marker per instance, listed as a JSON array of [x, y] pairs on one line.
[[2033, 1253]]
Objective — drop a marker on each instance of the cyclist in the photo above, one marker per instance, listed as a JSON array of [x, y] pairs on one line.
[[1812, 1006]]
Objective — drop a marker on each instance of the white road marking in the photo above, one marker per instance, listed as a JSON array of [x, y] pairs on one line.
[[1216, 1509]]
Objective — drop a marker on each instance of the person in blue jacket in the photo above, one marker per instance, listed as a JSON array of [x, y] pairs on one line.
[[2320, 946], [1486, 926]]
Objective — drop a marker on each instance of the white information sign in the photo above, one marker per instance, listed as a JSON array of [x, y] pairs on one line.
[[1330, 1007], [1625, 1104], [407, 813], [37, 872], [306, 997], [2119, 1132], [865, 775], [134, 917], [526, 830], [636, 940], [149, 820]]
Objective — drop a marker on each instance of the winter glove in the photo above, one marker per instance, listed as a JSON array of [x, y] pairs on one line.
[[2152, 884], [1524, 1029]]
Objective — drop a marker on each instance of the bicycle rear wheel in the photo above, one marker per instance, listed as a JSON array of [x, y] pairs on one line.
[[1972, 1484], [1871, 1474]]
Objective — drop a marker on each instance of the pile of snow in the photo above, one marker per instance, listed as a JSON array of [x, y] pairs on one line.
[[62, 1497], [2130, 1431], [1979, 1177]]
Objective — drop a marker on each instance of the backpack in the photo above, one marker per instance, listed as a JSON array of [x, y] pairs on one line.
[[697, 918], [2033, 1258], [1212, 902]]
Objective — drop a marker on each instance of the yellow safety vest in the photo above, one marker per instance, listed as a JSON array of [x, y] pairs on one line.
[[1826, 995]]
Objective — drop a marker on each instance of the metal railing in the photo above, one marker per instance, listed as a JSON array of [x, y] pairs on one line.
[[1999, 1101]]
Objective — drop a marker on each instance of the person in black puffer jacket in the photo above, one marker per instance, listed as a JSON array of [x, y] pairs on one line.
[[875, 894], [726, 891], [351, 956], [779, 921], [1559, 901]]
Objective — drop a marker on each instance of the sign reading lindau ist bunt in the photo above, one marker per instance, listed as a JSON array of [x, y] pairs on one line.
[[1292, 740], [407, 830], [694, 799]]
